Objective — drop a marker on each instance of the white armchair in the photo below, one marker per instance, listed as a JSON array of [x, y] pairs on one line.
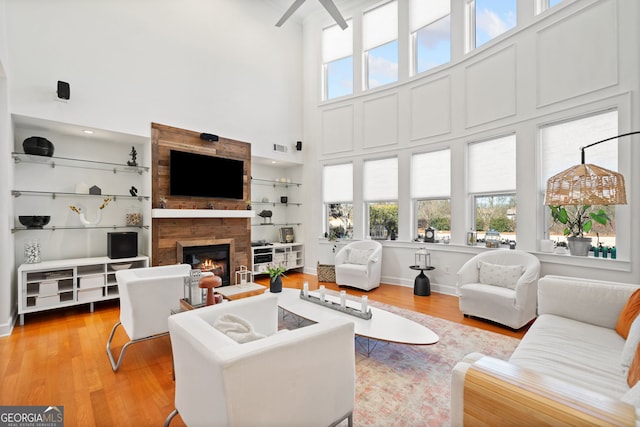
[[501, 286], [302, 377], [359, 265], [147, 296]]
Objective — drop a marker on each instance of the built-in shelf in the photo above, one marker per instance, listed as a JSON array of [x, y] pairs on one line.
[[77, 163], [274, 183], [277, 203], [54, 194], [76, 227], [278, 223], [201, 213]]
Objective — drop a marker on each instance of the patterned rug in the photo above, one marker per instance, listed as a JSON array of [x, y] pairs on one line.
[[409, 386]]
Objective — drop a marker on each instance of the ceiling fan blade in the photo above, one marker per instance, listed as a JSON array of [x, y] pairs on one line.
[[334, 12], [296, 4]]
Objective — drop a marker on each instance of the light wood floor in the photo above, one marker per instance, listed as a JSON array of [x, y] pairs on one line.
[[58, 358]]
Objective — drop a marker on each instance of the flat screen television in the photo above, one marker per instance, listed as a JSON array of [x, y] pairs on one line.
[[199, 175]]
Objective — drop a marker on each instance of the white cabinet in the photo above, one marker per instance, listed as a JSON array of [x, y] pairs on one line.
[[290, 255], [63, 283]]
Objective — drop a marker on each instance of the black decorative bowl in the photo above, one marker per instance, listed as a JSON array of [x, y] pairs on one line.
[[38, 146], [34, 221]]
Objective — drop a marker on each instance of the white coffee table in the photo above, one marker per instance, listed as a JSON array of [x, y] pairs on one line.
[[383, 325]]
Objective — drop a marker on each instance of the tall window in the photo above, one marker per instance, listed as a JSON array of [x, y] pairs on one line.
[[487, 19], [430, 34], [380, 43], [337, 61], [542, 5], [381, 197], [431, 191], [560, 149], [492, 186], [337, 194]]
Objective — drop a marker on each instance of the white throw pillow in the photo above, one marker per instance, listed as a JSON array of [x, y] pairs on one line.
[[359, 256], [630, 345], [500, 275]]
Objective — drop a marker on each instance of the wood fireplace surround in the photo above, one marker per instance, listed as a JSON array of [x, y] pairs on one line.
[[167, 232]]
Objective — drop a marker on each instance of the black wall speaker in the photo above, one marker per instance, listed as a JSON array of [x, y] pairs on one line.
[[299, 145], [122, 244], [209, 137], [64, 90]]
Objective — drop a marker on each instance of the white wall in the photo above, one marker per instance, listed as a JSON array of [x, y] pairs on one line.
[[216, 66], [577, 58]]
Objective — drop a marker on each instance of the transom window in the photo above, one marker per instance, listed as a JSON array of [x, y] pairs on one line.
[[380, 44], [430, 28], [487, 19], [337, 61]]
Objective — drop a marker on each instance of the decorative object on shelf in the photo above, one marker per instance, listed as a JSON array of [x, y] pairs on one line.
[[248, 206], [32, 251], [284, 199], [82, 188], [266, 216], [579, 188], [265, 200], [133, 217], [38, 146], [423, 258], [363, 313], [83, 219], [472, 238], [378, 232], [133, 191], [492, 239], [192, 291], [34, 221], [121, 266], [286, 235], [243, 276], [163, 202], [95, 190], [209, 283], [275, 273], [211, 205], [430, 235], [133, 155]]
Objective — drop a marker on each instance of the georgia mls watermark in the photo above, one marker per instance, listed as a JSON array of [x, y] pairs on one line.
[[31, 416]]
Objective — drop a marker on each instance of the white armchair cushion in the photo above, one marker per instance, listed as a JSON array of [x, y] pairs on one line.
[[359, 256], [500, 275], [237, 328]]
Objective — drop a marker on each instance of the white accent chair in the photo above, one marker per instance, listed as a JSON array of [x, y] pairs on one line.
[[301, 377], [511, 304], [147, 296], [359, 265]]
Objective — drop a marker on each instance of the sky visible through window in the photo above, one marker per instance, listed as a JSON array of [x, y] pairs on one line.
[[433, 44], [493, 17], [383, 64], [340, 77]]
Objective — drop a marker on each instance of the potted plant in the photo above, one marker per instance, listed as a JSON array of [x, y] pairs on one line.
[[275, 273], [578, 220]]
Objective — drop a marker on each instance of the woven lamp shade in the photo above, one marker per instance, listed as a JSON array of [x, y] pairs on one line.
[[586, 184]]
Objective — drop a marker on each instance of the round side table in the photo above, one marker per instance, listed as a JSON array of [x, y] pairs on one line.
[[421, 285]]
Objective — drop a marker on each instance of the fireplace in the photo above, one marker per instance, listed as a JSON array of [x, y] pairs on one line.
[[215, 256]]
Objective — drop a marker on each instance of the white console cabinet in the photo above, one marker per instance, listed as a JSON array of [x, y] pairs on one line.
[[290, 255], [63, 283]]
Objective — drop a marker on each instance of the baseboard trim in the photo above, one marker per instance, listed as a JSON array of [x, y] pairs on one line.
[[7, 328]]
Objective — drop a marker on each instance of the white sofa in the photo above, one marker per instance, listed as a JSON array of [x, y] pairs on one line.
[[302, 377], [359, 265], [567, 367]]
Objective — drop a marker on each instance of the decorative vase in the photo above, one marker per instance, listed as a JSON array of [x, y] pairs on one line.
[[579, 246], [96, 221], [275, 284]]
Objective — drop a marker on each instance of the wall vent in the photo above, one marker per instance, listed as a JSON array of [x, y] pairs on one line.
[[279, 148]]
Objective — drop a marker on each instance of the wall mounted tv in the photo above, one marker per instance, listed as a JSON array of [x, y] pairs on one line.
[[199, 175]]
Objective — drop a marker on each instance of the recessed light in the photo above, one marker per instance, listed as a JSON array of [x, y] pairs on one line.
[[273, 162], [87, 131]]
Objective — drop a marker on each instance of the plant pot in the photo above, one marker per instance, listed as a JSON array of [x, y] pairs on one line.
[[275, 284], [579, 246]]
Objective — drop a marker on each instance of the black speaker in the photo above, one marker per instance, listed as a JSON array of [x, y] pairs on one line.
[[209, 137], [299, 145], [122, 245], [64, 90]]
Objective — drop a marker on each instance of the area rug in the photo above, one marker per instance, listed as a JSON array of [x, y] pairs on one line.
[[409, 386]]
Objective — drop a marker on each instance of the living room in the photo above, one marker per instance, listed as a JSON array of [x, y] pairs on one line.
[[224, 68]]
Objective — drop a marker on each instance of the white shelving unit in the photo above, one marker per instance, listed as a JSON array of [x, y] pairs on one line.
[[68, 282], [290, 255]]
